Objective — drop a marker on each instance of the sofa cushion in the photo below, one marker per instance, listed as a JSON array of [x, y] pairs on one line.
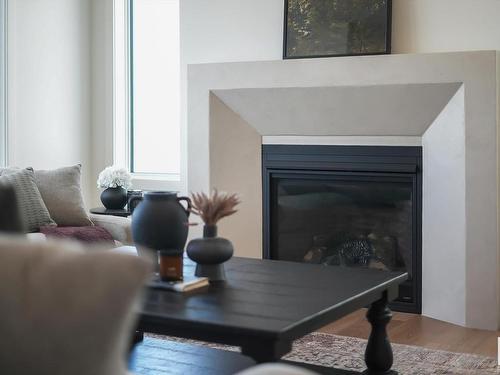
[[65, 311], [62, 193], [90, 235], [119, 227], [34, 213]]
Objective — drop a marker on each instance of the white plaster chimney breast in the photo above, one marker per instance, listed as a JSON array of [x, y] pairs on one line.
[[447, 102]]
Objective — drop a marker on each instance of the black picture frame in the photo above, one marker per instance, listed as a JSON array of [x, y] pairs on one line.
[[388, 38]]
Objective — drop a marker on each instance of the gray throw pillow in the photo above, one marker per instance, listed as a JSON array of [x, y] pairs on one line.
[[10, 217], [65, 311], [33, 211], [62, 193]]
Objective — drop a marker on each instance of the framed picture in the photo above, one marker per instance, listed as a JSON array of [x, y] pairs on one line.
[[322, 28]]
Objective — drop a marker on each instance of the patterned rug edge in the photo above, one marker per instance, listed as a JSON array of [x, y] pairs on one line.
[[347, 353]]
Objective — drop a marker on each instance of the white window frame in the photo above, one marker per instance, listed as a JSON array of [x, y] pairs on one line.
[[3, 83], [122, 89], [121, 103]]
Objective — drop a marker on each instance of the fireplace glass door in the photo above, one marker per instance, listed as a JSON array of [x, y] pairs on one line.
[[344, 219]]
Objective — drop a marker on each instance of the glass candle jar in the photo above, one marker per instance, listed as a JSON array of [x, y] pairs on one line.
[[171, 266]]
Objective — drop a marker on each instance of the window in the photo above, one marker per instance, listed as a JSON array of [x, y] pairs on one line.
[[147, 88], [3, 83]]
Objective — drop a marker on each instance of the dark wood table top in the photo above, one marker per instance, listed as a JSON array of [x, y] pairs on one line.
[[266, 300], [106, 211]]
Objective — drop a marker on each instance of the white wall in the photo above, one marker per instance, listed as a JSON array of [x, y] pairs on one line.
[[49, 83], [247, 30], [231, 30], [101, 145], [445, 25]]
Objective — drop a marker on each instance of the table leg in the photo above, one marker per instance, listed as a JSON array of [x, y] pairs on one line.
[[137, 338], [378, 354], [266, 351]]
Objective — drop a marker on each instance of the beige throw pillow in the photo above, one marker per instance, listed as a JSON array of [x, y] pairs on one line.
[[62, 193], [64, 311]]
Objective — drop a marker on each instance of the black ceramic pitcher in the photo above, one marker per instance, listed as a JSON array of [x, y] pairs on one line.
[[160, 222]]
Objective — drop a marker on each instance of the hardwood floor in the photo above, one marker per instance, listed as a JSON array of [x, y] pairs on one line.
[[417, 330]]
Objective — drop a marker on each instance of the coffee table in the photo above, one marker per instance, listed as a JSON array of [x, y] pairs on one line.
[[265, 305]]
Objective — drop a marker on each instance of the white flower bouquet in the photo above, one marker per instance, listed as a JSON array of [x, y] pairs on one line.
[[113, 177]]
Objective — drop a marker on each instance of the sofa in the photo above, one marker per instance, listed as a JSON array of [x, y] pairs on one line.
[[51, 204]]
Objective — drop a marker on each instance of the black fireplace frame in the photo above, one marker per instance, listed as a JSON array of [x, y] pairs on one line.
[[386, 161]]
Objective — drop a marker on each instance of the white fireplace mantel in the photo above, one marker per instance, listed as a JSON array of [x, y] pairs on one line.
[[446, 102]]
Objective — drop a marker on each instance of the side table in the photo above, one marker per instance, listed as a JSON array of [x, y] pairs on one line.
[[105, 211]]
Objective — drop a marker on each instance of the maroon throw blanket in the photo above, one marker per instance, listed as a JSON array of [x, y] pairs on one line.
[[90, 234]]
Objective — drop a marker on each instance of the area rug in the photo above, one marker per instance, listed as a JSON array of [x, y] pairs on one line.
[[347, 353]]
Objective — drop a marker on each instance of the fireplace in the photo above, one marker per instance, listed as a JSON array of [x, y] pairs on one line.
[[445, 102], [346, 206]]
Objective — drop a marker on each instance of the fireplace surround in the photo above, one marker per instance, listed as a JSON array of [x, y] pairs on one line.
[[447, 103], [349, 206]]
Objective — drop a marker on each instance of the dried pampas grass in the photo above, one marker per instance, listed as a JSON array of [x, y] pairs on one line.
[[211, 208]]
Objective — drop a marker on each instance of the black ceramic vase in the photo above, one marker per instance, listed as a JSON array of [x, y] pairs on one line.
[[114, 198], [210, 253], [160, 223]]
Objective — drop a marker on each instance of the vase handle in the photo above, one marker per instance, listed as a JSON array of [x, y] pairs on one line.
[[188, 203]]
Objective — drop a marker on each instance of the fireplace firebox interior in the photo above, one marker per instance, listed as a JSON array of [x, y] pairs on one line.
[[346, 206]]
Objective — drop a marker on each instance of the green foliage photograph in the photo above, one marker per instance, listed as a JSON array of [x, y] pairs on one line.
[[316, 28]]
